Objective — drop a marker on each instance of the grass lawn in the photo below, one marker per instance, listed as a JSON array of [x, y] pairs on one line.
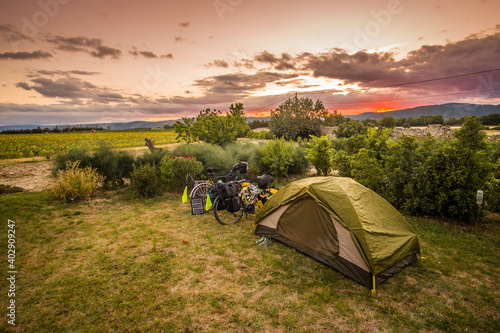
[[125, 265]]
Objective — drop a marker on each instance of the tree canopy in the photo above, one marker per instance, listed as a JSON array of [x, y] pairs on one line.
[[211, 126], [297, 117]]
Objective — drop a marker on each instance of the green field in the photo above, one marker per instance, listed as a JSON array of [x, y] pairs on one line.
[[123, 265], [48, 144]]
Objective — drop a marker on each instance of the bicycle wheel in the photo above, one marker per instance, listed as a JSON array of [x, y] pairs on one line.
[[222, 215], [201, 190]]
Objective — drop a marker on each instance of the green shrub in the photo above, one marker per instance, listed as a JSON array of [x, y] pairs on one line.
[[492, 195], [211, 156], [342, 163], [447, 182], [151, 158], [75, 183], [320, 153], [248, 152], [145, 181], [114, 165], [300, 164], [366, 170], [277, 155], [260, 135], [175, 169], [350, 128], [76, 154]]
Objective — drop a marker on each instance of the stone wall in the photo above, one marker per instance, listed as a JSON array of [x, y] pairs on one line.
[[437, 131]]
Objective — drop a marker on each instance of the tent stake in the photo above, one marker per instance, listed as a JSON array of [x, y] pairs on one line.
[[374, 290]]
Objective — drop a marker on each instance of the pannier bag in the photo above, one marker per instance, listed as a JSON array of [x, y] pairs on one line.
[[229, 195], [264, 181]]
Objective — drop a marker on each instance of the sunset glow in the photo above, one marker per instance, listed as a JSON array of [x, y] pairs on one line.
[[108, 61]]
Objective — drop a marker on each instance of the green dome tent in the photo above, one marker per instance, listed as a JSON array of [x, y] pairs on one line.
[[342, 224]]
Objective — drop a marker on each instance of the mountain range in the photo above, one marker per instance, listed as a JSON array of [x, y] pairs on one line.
[[449, 110], [455, 110]]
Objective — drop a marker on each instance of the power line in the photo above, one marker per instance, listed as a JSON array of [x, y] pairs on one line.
[[427, 96], [440, 78], [265, 106], [409, 83]]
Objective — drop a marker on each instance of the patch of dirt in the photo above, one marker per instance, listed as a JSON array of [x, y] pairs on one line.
[[28, 176]]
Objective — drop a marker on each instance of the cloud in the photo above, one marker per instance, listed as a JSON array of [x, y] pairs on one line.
[[23, 85], [218, 63], [25, 55], [12, 35], [284, 63], [65, 73], [149, 54], [381, 69], [72, 90], [93, 46], [180, 39], [240, 83]]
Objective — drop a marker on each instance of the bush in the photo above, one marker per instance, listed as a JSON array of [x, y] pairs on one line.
[[151, 158], [277, 155], [209, 155], [320, 153], [260, 135], [492, 195], [366, 170], [114, 165], [76, 154], [145, 181], [446, 184], [75, 183], [174, 170], [300, 163], [401, 160], [350, 128]]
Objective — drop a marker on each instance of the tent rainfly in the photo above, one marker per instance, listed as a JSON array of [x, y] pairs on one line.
[[342, 224]]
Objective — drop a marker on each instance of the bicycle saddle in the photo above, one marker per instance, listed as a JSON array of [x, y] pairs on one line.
[[211, 170]]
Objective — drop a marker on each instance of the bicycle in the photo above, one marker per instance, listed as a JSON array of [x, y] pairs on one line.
[[206, 188], [228, 209]]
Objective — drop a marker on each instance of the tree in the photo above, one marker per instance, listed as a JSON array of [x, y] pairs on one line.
[[334, 120], [278, 156], [447, 182], [366, 170], [471, 134], [350, 128], [320, 153], [297, 117], [387, 121], [213, 127]]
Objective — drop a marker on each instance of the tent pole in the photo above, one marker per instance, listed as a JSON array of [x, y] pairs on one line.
[[374, 290]]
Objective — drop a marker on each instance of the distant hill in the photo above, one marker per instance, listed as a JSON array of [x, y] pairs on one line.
[[449, 110], [111, 126]]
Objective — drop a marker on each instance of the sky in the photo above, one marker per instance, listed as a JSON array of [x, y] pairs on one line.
[[89, 61]]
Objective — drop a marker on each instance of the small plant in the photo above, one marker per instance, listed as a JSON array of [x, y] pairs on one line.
[[112, 164], [146, 182], [278, 155], [320, 153], [75, 183], [174, 170]]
